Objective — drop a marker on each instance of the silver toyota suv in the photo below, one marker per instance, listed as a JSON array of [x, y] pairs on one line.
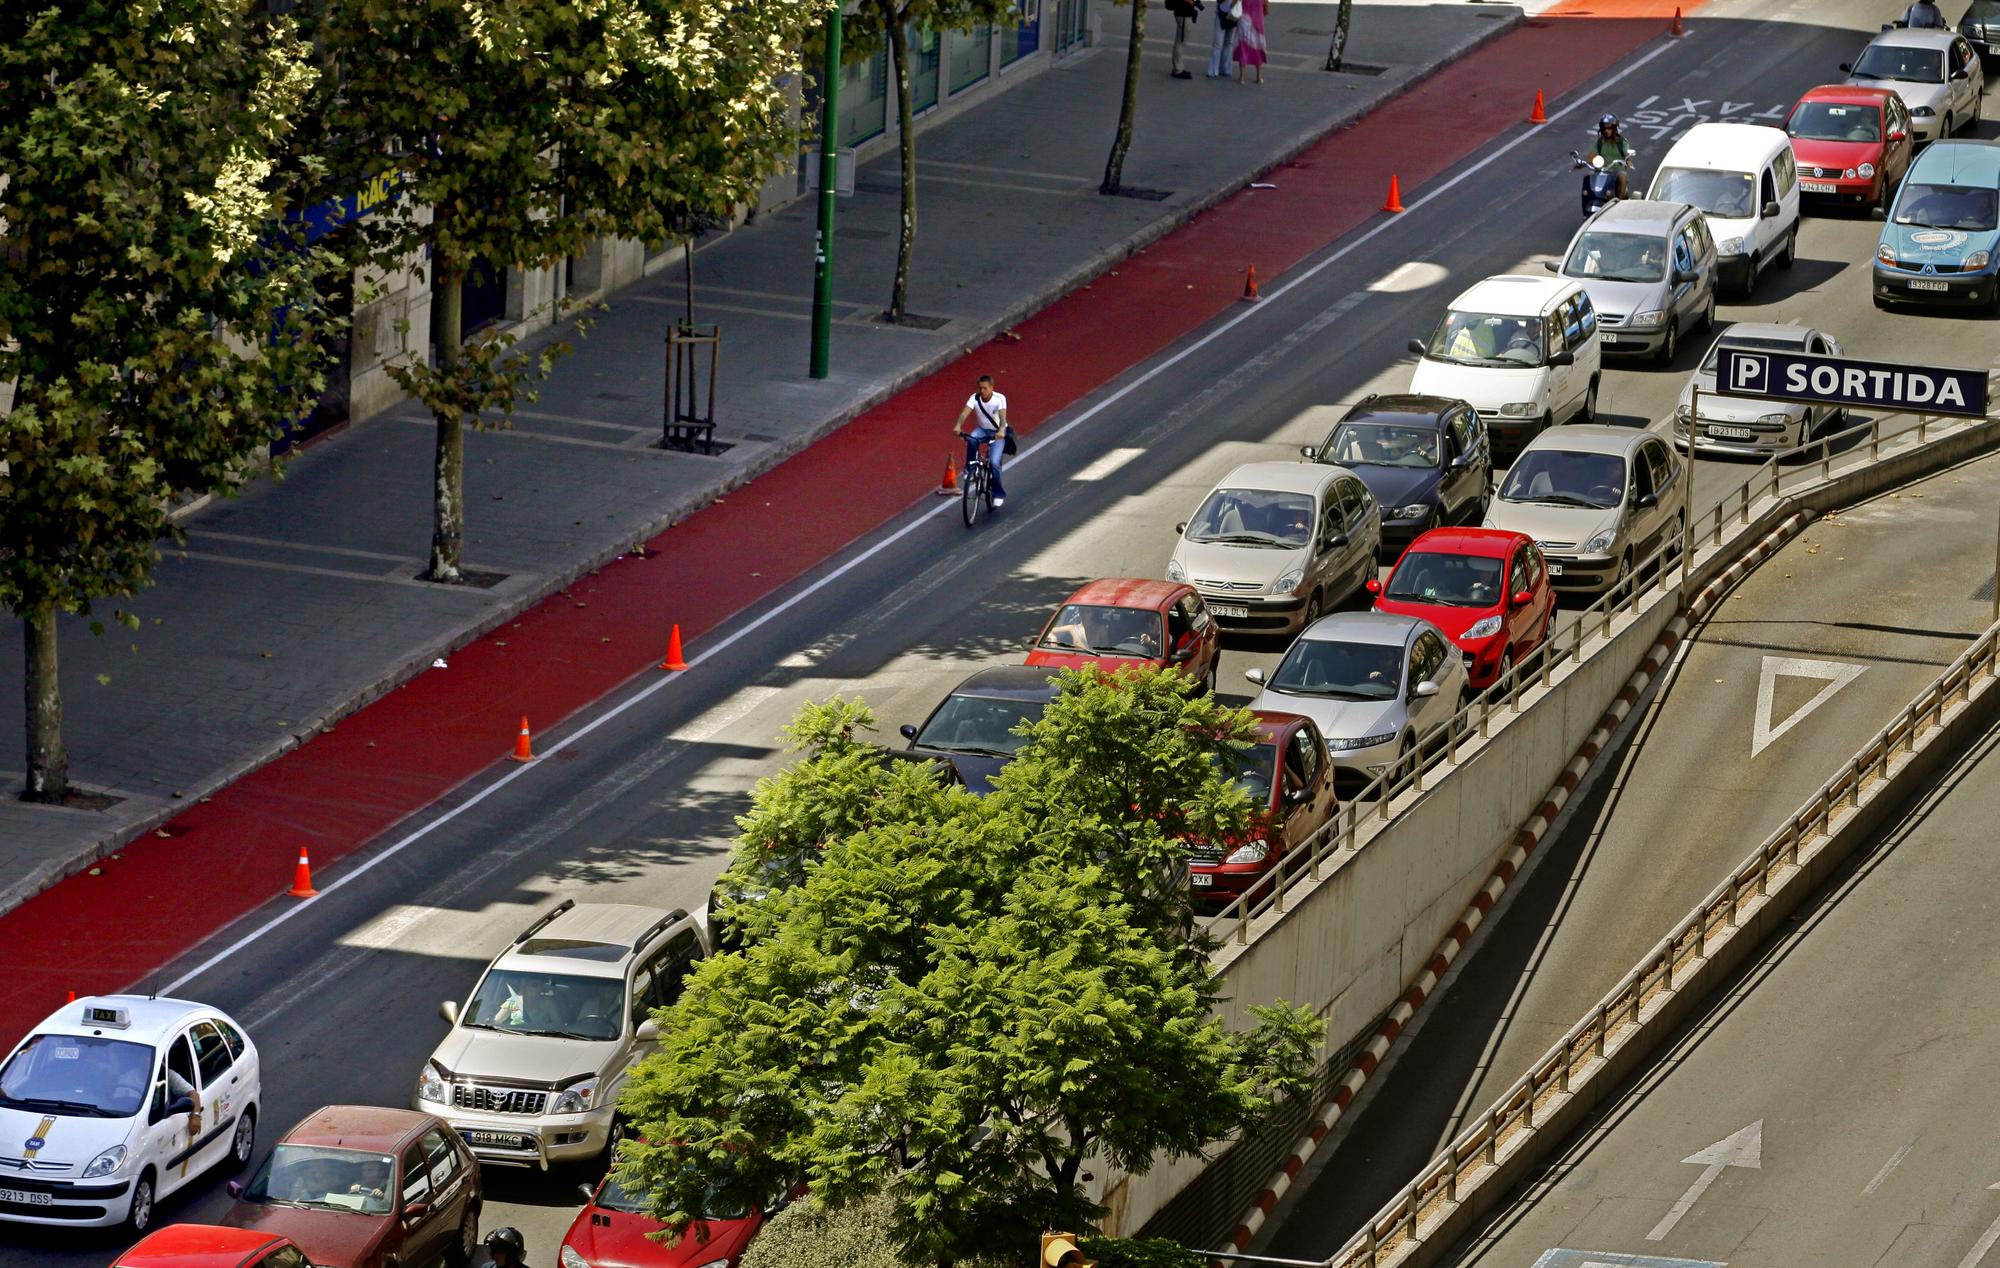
[[531, 1071]]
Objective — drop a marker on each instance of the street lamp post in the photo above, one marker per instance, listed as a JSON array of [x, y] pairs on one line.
[[829, 173]]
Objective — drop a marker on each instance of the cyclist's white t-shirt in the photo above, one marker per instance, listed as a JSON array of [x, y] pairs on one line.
[[982, 411]]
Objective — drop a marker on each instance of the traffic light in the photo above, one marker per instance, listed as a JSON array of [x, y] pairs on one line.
[[1059, 1251]]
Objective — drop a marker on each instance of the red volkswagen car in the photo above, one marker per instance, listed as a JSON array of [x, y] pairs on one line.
[[1853, 144], [1288, 774], [206, 1246], [1486, 588], [1125, 621], [611, 1231]]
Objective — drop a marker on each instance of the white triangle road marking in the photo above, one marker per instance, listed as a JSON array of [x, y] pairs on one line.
[[1836, 674]]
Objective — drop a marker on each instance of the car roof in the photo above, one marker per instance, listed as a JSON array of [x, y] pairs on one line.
[[1128, 592], [369, 1127], [1849, 94], [1363, 627], [1514, 294], [1725, 146], [1959, 163], [568, 939], [1274, 724], [1010, 682], [196, 1246], [1282, 477], [1770, 332], [1590, 438], [1410, 405], [1916, 37], [1486, 543], [151, 1017], [1638, 215]]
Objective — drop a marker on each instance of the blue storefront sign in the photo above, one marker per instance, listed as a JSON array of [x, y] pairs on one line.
[[1800, 376], [326, 217]]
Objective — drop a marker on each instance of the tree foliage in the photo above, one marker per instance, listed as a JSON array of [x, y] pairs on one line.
[[157, 327], [966, 999]]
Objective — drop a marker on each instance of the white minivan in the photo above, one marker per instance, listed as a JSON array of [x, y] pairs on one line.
[[1523, 350], [1745, 179]]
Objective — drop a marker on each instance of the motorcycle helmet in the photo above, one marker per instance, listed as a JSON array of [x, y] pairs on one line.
[[508, 1240], [1608, 121]]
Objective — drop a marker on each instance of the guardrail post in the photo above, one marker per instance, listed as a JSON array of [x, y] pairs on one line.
[[1603, 1024], [1451, 1174], [1410, 1215], [1744, 489], [1875, 442], [1373, 1243], [1825, 461], [1922, 422], [1528, 1106], [1493, 1138], [1562, 1075], [1701, 936]]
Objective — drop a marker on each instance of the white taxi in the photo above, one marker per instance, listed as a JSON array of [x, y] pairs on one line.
[[116, 1101]]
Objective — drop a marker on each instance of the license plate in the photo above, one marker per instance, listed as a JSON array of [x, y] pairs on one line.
[[1224, 609], [1201, 880], [1608, 337], [496, 1140], [1720, 432], [1927, 284], [31, 1199], [1555, 569], [1819, 187]]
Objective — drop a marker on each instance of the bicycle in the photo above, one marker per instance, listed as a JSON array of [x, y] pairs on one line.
[[976, 485]]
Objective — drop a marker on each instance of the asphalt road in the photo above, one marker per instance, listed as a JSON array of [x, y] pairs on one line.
[[341, 995]]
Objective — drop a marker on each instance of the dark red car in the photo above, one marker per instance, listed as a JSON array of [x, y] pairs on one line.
[[1125, 621], [1853, 144], [611, 1231], [207, 1246], [361, 1187], [1486, 588], [1289, 774]]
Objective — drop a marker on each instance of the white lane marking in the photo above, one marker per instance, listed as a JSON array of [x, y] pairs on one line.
[[725, 715], [386, 930], [1110, 462], [1835, 674], [1414, 275], [936, 509], [1984, 1244], [1743, 1149], [1887, 1167]]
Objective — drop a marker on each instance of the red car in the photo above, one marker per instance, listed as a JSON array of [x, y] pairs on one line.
[[206, 1246], [1486, 588], [361, 1187], [1853, 144], [1123, 621], [1289, 773], [611, 1231]]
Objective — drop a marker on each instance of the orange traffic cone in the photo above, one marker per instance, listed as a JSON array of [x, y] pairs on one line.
[[1676, 30], [302, 878], [1538, 115], [673, 660], [950, 486], [1250, 294], [1395, 202], [523, 751]]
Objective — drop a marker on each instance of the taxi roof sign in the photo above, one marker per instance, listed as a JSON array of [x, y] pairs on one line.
[[107, 1017]]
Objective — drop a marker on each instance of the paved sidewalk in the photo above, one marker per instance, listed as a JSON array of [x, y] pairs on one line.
[[297, 602]]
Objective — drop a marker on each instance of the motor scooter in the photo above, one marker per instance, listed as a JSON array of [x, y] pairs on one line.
[[1600, 179]]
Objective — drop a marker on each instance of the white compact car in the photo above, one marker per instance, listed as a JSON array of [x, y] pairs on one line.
[[116, 1101], [1936, 73], [1523, 351]]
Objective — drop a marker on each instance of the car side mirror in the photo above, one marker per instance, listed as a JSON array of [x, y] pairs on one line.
[[1417, 346], [1644, 500], [1254, 675], [1181, 655], [647, 1031], [1562, 358], [1424, 690], [1879, 213], [907, 731], [449, 1011], [1180, 529], [1309, 452], [1522, 598], [1962, 74], [1298, 796], [416, 1210], [234, 1188], [1770, 210], [589, 1194], [1899, 135], [1336, 541], [1552, 266], [1847, 68], [1683, 276], [1373, 585]]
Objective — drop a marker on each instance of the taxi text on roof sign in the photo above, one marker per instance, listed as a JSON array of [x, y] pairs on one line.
[[1778, 375]]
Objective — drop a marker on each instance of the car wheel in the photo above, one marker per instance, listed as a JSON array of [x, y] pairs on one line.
[[1624, 570], [1671, 344], [139, 1217], [1589, 412], [1547, 421], [1708, 314], [465, 1247], [1791, 249], [1948, 128], [1312, 610], [243, 1145], [1506, 669], [1208, 680]]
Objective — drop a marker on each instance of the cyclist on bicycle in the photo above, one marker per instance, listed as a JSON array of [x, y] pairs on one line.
[[990, 430]]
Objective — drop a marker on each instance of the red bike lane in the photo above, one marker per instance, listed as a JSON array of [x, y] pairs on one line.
[[223, 858]]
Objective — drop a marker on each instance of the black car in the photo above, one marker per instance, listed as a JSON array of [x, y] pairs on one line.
[[1427, 460], [973, 728], [1980, 25]]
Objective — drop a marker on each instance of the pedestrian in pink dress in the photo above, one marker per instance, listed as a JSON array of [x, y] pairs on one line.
[[1250, 39]]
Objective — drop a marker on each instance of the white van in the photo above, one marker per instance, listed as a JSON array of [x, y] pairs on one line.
[[1523, 350], [1745, 179]]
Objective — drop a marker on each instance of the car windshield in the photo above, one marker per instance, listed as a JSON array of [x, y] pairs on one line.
[[1487, 339], [326, 1178], [1983, 11], [1556, 478], [1460, 581], [1092, 629], [615, 1197], [1726, 194], [978, 724], [1948, 207], [1835, 121], [1383, 445], [527, 1002], [1715, 350], [1350, 671], [82, 1076], [1251, 769], [1892, 61], [1618, 257], [1253, 517]]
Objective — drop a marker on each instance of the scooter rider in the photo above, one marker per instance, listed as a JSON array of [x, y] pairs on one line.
[[1614, 149], [1923, 15]]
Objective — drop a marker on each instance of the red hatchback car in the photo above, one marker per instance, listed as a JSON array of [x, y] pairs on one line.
[[1853, 144], [1289, 774], [361, 1187], [1486, 588], [612, 1232], [1125, 621], [206, 1246]]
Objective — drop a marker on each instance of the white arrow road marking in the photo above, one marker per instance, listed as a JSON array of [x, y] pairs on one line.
[[1744, 1149], [1984, 1244], [1836, 674]]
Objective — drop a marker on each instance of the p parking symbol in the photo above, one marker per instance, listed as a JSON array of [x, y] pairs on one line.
[[1749, 372]]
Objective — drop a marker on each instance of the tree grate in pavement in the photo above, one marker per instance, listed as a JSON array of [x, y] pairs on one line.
[[1360, 68], [915, 320], [472, 578], [1143, 194]]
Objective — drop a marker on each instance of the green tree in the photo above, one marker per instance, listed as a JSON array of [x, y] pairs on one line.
[[892, 22], [966, 999], [153, 319], [1128, 104], [517, 132]]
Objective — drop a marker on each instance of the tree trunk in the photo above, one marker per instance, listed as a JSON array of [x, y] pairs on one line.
[[48, 760], [906, 152], [448, 471], [1336, 52], [1114, 167]]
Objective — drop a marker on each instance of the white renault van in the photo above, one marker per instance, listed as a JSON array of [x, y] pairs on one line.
[[1523, 350], [1745, 179]]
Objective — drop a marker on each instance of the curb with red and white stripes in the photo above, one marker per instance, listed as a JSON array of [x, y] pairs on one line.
[[1509, 866]]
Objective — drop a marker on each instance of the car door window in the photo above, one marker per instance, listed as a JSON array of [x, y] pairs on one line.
[[1357, 502], [1769, 188], [668, 968], [1518, 574], [416, 1176], [1642, 476], [1465, 429], [211, 1053], [1306, 752], [234, 1038], [1553, 327], [442, 1158], [1533, 578], [1661, 465], [1684, 250], [284, 1257], [1788, 172], [1425, 658], [1197, 611], [179, 1078]]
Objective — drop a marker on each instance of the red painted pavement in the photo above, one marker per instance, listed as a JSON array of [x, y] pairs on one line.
[[224, 858]]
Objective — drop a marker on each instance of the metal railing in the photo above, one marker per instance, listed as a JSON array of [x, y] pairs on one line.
[[1583, 1049], [1362, 816]]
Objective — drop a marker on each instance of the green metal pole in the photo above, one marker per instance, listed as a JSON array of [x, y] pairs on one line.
[[829, 174]]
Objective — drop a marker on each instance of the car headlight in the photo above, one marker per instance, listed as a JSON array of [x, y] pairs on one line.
[[1414, 511], [1334, 745], [1923, 112], [1647, 320], [1775, 420], [1175, 572], [1729, 246], [1977, 260], [574, 1100], [1484, 627], [570, 1259], [1683, 412], [105, 1163], [432, 1086], [1519, 409], [1602, 541], [1255, 852], [1288, 582], [1886, 254], [1865, 171]]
